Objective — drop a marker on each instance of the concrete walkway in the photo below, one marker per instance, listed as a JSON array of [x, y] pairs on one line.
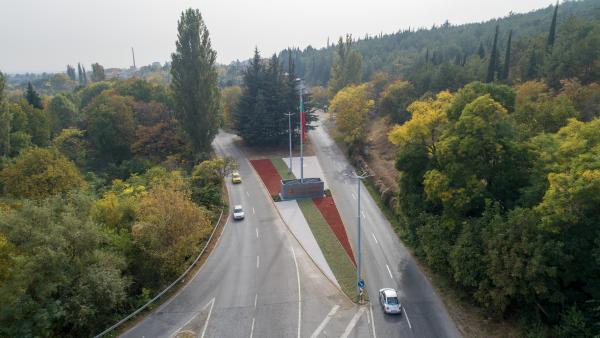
[[293, 217], [312, 168]]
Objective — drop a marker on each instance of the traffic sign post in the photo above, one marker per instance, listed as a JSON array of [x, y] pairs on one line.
[[361, 284]]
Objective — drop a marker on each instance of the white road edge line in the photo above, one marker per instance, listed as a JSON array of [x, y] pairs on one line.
[[408, 320], [353, 322], [257, 261], [372, 320], [353, 196], [389, 271], [256, 232], [374, 238], [299, 293], [207, 318], [252, 328], [253, 211], [325, 321]]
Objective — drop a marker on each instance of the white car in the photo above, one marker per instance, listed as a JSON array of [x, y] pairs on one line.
[[389, 301], [238, 212]]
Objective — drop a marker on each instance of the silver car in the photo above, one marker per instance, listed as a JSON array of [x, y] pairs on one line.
[[238, 212], [389, 301]]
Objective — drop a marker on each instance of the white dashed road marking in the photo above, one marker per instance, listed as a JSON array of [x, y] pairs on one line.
[[389, 271], [353, 322]]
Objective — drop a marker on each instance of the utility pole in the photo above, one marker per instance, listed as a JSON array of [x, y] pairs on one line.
[[133, 55], [289, 115], [358, 178]]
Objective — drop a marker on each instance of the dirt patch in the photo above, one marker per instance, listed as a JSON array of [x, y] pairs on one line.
[[382, 154], [268, 174], [329, 211]]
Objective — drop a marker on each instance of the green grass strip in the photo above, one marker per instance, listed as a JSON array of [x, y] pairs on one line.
[[334, 253], [282, 168]]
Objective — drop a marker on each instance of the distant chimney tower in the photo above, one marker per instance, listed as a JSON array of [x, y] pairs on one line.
[[133, 55]]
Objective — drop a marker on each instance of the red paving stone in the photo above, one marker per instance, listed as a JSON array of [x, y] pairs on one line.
[[329, 211], [269, 175]]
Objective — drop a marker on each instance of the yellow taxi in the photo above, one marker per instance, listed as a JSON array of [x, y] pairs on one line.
[[236, 178]]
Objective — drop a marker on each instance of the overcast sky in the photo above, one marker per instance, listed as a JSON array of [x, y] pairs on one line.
[[45, 35]]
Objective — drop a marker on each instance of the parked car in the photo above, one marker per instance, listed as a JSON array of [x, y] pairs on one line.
[[236, 178], [389, 301], [238, 212]]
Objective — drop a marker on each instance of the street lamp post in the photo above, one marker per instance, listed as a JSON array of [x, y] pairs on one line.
[[358, 178], [289, 115], [301, 89]]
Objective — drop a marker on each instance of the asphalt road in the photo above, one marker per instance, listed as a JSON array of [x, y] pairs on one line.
[[257, 282], [385, 260]]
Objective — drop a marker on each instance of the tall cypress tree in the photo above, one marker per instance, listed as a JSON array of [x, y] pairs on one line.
[[33, 97], [195, 81], [493, 65], [85, 79], [79, 74], [481, 51], [71, 72], [506, 68], [552, 33], [5, 121]]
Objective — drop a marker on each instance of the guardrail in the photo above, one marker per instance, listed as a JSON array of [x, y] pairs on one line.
[[131, 315]]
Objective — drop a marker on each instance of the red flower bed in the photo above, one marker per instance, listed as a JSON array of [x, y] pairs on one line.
[[329, 211], [269, 175]]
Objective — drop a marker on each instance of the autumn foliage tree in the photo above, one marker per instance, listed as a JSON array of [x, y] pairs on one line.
[[38, 173], [350, 106]]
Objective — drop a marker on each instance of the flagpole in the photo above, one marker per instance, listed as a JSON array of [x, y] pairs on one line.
[[301, 136]]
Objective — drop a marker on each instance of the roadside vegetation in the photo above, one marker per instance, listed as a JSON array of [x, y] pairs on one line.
[[496, 149], [108, 191]]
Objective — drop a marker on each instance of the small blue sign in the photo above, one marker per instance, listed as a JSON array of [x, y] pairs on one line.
[[361, 283]]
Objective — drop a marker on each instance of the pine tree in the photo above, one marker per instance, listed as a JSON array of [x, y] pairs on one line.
[[195, 81], [245, 121], [481, 51], [493, 65], [427, 56], [33, 97], [71, 72], [552, 33], [505, 70], [79, 74]]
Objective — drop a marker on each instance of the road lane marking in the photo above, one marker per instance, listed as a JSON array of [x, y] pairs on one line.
[[353, 196], [247, 194], [255, 300], [299, 293], [374, 238], [207, 318], [257, 261], [408, 320], [252, 328], [352, 323], [253, 212], [372, 320], [363, 214], [256, 232], [389, 271], [325, 321]]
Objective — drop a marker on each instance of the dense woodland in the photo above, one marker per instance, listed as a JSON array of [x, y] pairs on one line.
[[495, 126], [498, 151], [85, 234]]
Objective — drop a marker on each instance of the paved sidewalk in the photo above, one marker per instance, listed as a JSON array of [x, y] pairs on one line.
[[293, 217], [312, 168]]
